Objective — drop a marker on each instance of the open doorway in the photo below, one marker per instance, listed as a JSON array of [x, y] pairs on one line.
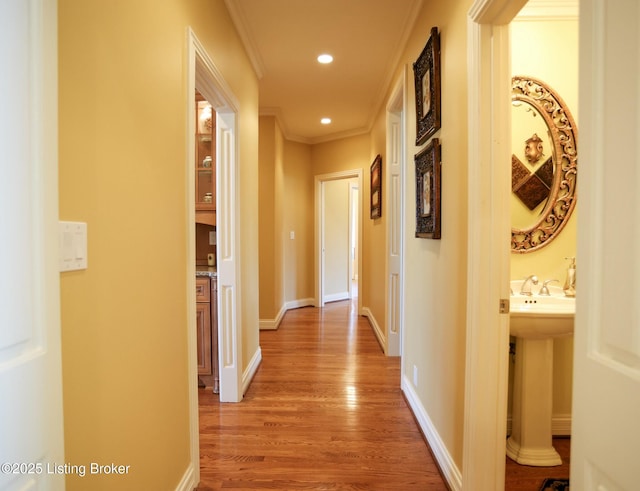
[[207, 79], [338, 231]]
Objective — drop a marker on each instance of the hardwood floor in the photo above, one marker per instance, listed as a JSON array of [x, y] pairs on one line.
[[527, 478], [324, 412]]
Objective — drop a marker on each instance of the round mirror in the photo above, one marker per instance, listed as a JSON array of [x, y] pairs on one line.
[[543, 164]]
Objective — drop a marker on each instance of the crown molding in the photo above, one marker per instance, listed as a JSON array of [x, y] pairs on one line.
[[549, 10], [250, 46]]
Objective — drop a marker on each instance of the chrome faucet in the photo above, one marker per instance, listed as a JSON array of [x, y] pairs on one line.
[[544, 290], [526, 287]]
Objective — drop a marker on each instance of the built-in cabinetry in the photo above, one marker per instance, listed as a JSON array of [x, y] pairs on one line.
[[205, 162], [207, 329]]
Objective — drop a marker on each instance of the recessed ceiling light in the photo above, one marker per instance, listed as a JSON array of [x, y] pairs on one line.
[[325, 120], [325, 58]]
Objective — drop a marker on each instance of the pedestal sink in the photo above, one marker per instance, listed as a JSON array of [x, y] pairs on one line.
[[535, 321]]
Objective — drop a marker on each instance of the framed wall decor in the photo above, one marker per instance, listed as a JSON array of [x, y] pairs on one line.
[[426, 71], [376, 188], [428, 180]]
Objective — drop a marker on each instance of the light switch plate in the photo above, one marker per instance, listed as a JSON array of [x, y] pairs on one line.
[[73, 246], [212, 238]]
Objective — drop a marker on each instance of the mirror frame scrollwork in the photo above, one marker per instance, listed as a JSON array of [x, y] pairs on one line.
[[563, 195]]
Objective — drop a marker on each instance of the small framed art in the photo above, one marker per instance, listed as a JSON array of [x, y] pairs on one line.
[[376, 188], [426, 71], [428, 180]]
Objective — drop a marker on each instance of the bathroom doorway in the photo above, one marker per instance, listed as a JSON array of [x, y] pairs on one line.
[[489, 227]]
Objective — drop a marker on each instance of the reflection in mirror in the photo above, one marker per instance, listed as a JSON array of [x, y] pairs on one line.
[[543, 164]]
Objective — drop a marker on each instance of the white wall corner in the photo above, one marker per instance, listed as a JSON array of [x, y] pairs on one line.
[[450, 471], [252, 368], [382, 339]]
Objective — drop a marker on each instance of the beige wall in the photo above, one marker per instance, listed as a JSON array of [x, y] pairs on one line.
[[123, 146], [537, 52], [435, 270], [346, 154], [374, 240], [285, 206], [298, 213], [270, 253]]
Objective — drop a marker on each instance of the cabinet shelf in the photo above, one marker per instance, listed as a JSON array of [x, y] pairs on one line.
[[205, 175]]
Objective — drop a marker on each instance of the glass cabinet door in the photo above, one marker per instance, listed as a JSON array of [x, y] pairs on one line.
[[205, 155]]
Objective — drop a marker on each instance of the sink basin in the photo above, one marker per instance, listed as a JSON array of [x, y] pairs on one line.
[[541, 317], [535, 320]]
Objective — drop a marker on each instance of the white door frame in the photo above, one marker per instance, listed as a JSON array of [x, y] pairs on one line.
[[489, 229], [394, 190], [203, 74], [319, 233]]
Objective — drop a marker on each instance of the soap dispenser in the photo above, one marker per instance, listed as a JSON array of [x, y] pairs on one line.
[[570, 283]]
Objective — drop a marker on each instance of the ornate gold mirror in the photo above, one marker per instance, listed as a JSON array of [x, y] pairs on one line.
[[543, 164]]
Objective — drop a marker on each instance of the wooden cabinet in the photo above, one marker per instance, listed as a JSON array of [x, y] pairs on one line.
[[205, 164], [207, 332]]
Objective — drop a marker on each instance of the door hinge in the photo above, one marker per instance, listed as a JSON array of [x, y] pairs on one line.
[[504, 306]]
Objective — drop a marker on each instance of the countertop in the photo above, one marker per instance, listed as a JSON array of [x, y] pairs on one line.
[[209, 271]]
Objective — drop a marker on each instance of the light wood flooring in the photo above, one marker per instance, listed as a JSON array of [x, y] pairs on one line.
[[324, 412]]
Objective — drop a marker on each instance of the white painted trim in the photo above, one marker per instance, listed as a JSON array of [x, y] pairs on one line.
[[203, 73], [547, 10], [192, 340], [252, 368], [382, 340], [296, 304], [396, 156], [242, 28], [336, 297], [560, 424], [273, 324], [448, 468], [188, 482], [489, 230]]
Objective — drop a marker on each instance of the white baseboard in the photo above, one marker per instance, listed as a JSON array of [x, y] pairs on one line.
[[560, 424], [449, 470], [336, 297], [382, 339], [273, 324], [252, 368], [187, 482]]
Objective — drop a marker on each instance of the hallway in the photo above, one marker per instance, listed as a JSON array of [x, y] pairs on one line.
[[325, 411]]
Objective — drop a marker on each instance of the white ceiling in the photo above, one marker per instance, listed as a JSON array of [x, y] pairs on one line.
[[283, 39]]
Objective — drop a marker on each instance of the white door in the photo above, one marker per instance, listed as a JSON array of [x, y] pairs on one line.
[[606, 434], [229, 313], [394, 190], [335, 239], [31, 436]]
